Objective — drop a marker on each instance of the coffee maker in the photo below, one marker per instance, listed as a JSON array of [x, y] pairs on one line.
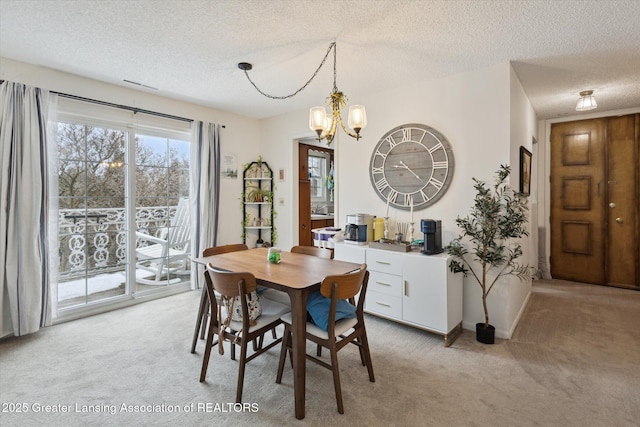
[[432, 230], [359, 229]]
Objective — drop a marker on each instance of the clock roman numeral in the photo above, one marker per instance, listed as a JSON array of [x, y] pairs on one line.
[[406, 134], [436, 147], [375, 170], [381, 154], [440, 165], [382, 184], [436, 183], [392, 142], [393, 196], [424, 195]]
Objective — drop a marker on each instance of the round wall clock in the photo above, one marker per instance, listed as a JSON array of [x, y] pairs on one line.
[[411, 161]]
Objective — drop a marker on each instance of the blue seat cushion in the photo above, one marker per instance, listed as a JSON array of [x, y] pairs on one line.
[[318, 309]]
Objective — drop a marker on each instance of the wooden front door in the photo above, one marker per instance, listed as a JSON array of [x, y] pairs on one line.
[[595, 201]]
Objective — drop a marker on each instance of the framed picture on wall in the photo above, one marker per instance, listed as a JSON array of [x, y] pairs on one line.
[[525, 171]]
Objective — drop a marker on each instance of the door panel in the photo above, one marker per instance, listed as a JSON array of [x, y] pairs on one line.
[[577, 188], [622, 189], [304, 198]]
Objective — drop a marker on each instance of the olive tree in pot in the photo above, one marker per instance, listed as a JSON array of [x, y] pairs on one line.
[[497, 218]]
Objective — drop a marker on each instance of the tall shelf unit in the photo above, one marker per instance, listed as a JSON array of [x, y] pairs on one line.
[[257, 202]]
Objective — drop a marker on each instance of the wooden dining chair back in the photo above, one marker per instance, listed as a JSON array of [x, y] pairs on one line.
[[313, 250], [339, 333], [283, 297], [203, 308], [231, 285]]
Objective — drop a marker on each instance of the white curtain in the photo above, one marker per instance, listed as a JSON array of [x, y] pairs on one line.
[[205, 190], [24, 247]]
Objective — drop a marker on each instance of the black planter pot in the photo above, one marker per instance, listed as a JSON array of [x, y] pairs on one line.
[[485, 336]]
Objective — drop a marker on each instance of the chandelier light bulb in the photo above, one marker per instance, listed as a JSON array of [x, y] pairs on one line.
[[357, 117], [317, 119]]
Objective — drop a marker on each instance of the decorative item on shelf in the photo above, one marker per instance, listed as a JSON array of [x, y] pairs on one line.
[[497, 217], [587, 101], [257, 201], [325, 125]]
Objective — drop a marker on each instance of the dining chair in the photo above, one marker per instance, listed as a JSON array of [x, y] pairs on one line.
[[230, 285], [203, 308], [339, 332], [282, 297], [313, 250]]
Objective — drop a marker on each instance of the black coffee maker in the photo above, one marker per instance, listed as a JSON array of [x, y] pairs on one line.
[[432, 230]]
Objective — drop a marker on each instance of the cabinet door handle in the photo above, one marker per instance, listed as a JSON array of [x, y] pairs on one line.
[[383, 283], [406, 287], [383, 303], [383, 262]]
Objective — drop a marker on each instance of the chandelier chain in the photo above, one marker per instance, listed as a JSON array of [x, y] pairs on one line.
[[331, 46]]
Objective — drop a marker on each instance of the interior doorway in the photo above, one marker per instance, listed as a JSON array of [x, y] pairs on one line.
[[315, 196], [595, 201]]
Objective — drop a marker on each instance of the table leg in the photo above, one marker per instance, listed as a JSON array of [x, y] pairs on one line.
[[298, 346]]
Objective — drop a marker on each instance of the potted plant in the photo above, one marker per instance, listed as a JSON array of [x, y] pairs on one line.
[[257, 194], [497, 219]]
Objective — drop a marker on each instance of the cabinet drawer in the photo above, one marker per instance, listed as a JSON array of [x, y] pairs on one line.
[[384, 261], [384, 304], [385, 283]]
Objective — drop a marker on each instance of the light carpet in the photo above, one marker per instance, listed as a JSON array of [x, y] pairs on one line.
[[574, 360]]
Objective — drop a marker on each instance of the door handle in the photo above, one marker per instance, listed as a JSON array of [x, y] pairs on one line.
[[619, 220]]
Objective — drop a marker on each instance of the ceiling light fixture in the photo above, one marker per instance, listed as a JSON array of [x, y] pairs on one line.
[[325, 125], [587, 101]]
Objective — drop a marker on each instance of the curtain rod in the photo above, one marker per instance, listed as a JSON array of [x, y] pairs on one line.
[[123, 107]]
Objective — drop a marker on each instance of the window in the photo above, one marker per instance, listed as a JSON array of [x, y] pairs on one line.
[[120, 176], [317, 175]]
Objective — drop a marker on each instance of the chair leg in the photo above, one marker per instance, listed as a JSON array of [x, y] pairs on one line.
[[207, 352], [243, 362], [367, 356], [361, 350], [336, 376], [283, 352], [233, 350], [205, 312], [204, 300]]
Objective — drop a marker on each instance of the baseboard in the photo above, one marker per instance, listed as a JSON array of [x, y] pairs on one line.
[[503, 333]]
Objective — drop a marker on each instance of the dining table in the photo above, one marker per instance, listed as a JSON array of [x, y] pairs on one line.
[[297, 275]]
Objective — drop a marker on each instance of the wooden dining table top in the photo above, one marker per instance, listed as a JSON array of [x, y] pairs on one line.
[[295, 271]]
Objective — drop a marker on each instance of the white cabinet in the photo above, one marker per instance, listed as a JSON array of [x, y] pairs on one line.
[[411, 288]]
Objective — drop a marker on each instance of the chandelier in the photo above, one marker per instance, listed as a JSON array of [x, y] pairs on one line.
[[325, 125]]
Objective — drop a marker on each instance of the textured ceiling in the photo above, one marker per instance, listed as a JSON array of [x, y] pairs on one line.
[[189, 49]]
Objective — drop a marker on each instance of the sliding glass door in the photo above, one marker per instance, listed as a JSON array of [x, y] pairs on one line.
[[123, 222]]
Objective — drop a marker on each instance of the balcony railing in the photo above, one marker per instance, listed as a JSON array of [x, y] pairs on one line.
[[93, 241]]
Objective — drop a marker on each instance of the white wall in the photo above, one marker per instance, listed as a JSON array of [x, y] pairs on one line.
[[472, 110], [241, 135]]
